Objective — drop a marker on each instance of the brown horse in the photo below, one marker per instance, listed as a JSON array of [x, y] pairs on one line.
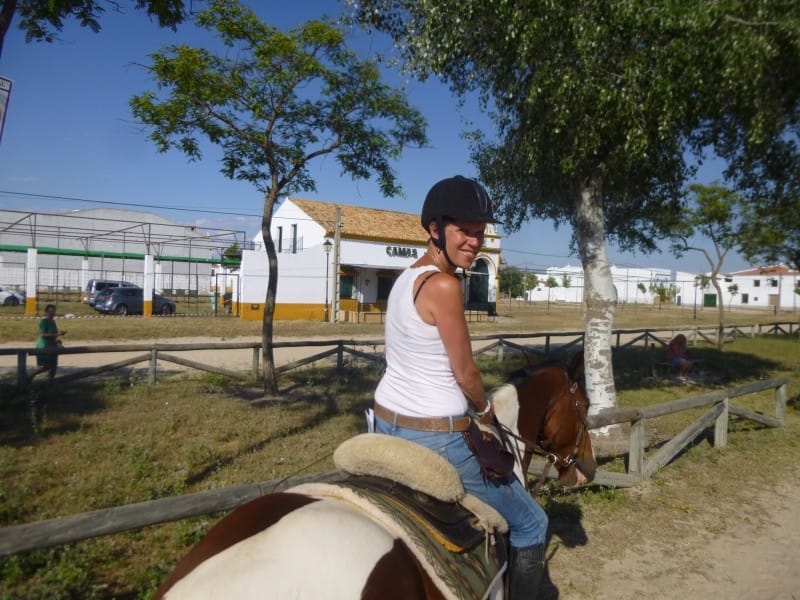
[[552, 419], [303, 545]]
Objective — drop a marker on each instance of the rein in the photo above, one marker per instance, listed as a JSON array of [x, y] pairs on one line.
[[551, 457]]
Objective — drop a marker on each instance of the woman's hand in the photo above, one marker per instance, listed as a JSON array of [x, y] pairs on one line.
[[488, 418]]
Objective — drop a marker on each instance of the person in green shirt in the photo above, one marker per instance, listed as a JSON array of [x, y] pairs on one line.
[[48, 338]]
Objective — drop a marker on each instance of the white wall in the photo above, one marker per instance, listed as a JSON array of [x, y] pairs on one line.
[[302, 265], [761, 291]]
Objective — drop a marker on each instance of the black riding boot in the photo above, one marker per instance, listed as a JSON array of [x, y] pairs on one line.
[[526, 567]]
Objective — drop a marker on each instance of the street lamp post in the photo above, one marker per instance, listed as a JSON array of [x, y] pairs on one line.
[[327, 246]]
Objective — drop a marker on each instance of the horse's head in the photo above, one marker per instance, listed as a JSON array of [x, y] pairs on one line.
[[553, 416]]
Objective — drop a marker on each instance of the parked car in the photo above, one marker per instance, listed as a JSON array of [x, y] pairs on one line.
[[98, 285], [9, 297], [130, 301]]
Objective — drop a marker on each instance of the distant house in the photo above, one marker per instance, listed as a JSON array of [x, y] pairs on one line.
[[763, 287]]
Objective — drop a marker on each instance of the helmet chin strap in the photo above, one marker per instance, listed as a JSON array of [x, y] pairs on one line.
[[441, 242]]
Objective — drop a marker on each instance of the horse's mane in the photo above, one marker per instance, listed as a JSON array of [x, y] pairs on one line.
[[573, 367], [515, 378]]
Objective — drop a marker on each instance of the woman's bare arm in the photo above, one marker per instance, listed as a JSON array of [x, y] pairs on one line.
[[439, 303]]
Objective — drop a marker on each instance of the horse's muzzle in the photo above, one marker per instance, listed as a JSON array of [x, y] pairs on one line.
[[578, 475]]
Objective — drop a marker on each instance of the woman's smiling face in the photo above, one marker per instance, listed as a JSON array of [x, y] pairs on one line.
[[464, 241]]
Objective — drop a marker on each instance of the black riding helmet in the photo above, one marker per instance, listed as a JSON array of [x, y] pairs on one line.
[[458, 199]]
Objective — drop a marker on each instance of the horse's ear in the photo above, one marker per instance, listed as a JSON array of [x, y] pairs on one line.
[[531, 359], [576, 366]]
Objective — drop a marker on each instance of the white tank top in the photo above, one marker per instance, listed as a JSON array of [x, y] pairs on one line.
[[418, 381]]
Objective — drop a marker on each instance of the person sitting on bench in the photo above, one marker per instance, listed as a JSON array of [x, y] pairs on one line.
[[676, 356]]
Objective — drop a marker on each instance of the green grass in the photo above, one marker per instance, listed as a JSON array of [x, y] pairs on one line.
[[114, 441]]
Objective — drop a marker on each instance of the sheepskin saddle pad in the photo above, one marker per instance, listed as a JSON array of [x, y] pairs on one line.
[[415, 467], [464, 560]]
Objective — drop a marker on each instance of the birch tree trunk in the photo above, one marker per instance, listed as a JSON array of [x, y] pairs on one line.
[[599, 295]]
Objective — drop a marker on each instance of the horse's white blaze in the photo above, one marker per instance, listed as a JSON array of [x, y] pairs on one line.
[[322, 550], [506, 408]]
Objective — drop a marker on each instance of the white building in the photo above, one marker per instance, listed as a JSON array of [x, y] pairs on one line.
[[633, 285], [764, 287], [773, 287], [349, 278]]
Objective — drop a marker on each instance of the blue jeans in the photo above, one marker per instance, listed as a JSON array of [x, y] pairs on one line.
[[527, 521]]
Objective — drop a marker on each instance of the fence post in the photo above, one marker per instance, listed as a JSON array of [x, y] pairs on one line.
[[500, 350], [721, 426], [547, 345], [780, 402], [256, 351], [636, 448], [340, 356], [153, 365], [22, 371]]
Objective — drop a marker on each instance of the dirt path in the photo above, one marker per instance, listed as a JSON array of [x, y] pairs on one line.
[[226, 359], [745, 551]]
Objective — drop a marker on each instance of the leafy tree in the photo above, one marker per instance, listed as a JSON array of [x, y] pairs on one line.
[[733, 290], [770, 232], [41, 20], [566, 281], [661, 290], [232, 256], [715, 215], [642, 288], [531, 281], [273, 105], [512, 282], [598, 104]]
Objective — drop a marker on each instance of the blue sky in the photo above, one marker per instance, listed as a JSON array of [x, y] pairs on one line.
[[69, 134]]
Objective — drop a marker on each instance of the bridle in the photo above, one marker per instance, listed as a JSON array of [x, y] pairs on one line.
[[544, 447]]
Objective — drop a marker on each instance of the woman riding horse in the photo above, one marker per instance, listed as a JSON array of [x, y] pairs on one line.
[[311, 543], [270, 545], [431, 379]]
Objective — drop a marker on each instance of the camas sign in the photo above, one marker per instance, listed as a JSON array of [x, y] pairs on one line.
[[401, 251]]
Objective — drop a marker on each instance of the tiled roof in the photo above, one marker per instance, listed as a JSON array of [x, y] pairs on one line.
[[366, 223], [770, 270]]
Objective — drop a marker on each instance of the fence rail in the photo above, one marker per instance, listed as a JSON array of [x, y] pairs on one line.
[[546, 342]]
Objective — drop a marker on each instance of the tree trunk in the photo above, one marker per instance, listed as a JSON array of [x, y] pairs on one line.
[[600, 296], [721, 308], [268, 368], [9, 7]]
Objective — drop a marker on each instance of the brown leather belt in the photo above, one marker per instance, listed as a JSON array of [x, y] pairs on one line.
[[423, 423]]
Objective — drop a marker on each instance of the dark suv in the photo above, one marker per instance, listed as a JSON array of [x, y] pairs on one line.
[[97, 286], [130, 301]]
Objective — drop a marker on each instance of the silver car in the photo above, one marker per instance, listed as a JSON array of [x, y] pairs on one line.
[[9, 297]]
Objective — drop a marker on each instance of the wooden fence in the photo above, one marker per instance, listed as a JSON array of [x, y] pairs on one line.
[[545, 342], [65, 530]]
